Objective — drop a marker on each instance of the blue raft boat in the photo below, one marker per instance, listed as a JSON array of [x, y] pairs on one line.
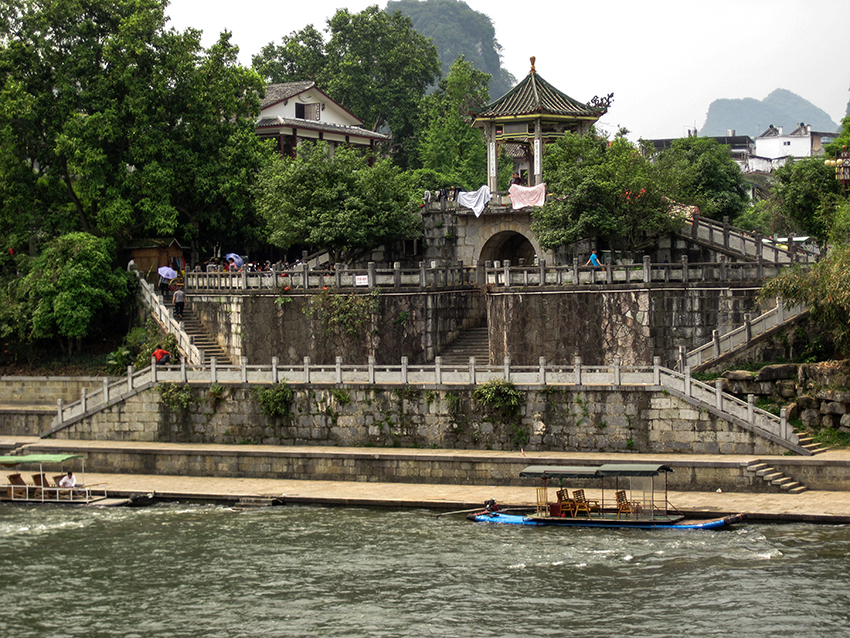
[[640, 506]]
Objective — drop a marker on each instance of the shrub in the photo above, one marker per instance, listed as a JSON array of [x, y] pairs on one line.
[[275, 401]]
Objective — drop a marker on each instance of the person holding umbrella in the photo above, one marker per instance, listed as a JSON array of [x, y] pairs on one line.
[[166, 274]]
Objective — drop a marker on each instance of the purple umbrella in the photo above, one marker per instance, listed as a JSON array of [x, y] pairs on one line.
[[236, 259], [167, 273]]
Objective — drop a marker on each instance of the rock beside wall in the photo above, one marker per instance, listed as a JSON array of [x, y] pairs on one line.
[[548, 419], [817, 393]]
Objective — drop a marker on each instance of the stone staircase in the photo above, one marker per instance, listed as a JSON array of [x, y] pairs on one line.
[[474, 342], [201, 338], [774, 477], [808, 443]]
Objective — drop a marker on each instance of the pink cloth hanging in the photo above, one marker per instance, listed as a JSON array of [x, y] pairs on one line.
[[522, 196]]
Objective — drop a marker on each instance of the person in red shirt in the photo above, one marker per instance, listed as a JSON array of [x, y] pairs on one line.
[[162, 356]]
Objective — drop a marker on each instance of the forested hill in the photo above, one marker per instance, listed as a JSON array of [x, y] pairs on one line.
[[457, 30], [752, 117]]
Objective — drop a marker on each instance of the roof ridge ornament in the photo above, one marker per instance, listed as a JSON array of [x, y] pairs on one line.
[[533, 58], [601, 102]]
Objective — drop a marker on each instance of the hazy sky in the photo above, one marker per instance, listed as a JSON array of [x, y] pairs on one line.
[[664, 60]]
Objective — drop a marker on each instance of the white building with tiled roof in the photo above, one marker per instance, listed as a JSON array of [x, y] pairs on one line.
[[296, 111]]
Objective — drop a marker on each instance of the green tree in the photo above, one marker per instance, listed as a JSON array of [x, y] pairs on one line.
[[825, 288], [700, 171], [300, 56], [806, 192], [457, 30], [601, 191], [449, 144], [116, 126], [72, 287], [375, 64], [336, 202]]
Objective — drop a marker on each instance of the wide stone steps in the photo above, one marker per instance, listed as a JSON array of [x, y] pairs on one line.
[[203, 340], [813, 447], [469, 343], [776, 478]]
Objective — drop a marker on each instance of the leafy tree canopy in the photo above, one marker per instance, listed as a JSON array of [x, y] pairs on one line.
[[825, 288], [114, 125], [337, 202], [449, 144], [71, 287], [806, 192], [373, 63], [700, 171], [601, 191]]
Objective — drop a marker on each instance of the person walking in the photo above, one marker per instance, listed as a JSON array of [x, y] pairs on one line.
[[179, 299], [594, 260]]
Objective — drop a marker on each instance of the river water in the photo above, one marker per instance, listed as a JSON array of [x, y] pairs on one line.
[[209, 570]]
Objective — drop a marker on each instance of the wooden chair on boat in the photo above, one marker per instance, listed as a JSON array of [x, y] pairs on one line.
[[542, 504], [41, 484], [624, 505], [582, 504], [567, 505], [17, 492]]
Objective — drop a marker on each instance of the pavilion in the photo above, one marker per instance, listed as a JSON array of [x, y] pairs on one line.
[[529, 116]]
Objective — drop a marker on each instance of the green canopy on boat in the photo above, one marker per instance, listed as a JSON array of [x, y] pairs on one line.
[[9, 461], [560, 471], [632, 469]]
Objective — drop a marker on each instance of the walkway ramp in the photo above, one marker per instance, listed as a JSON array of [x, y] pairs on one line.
[[742, 245]]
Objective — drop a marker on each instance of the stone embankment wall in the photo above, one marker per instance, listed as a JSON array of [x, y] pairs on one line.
[[295, 325], [548, 419], [28, 404], [44, 391], [818, 394], [635, 323]]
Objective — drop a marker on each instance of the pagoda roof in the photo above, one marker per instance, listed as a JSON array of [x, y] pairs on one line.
[[535, 96]]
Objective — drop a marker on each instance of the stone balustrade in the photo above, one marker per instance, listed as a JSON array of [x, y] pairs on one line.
[[742, 413]]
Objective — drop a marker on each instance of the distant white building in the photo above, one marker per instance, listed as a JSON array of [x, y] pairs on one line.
[[774, 147]]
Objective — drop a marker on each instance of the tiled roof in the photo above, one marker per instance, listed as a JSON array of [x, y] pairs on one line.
[[278, 92], [533, 96], [311, 125]]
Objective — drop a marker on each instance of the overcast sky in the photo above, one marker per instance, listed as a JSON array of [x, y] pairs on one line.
[[664, 60]]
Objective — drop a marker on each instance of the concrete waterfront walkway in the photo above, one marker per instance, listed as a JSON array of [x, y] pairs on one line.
[[810, 506]]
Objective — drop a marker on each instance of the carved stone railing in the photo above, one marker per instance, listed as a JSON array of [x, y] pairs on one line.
[[577, 376], [721, 345], [163, 316]]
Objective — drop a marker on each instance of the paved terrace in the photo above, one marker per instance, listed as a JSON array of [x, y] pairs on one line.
[[811, 506]]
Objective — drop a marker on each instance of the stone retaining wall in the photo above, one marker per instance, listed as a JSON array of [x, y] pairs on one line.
[[417, 325], [635, 323], [330, 464], [574, 419], [46, 391]]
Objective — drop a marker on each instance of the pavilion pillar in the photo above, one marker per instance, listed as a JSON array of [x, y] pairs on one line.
[[538, 152], [492, 157]]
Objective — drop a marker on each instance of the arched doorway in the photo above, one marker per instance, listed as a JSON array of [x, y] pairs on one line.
[[508, 246]]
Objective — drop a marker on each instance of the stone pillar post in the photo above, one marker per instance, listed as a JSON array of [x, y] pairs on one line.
[[541, 376], [472, 370], [577, 367]]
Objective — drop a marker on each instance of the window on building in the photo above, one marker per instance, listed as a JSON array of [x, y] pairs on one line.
[[308, 111]]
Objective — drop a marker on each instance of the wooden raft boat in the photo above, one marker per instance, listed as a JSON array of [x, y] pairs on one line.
[[642, 505]]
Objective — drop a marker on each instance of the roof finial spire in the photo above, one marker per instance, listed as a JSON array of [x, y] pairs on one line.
[[532, 64]]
